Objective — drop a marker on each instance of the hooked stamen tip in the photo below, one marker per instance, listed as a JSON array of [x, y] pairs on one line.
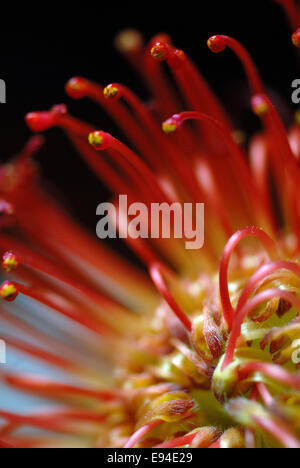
[[76, 87], [160, 51], [216, 44], [99, 140], [8, 291], [170, 125], [111, 92], [10, 262], [40, 121]]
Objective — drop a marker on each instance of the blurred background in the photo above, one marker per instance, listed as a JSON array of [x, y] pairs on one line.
[[41, 47]]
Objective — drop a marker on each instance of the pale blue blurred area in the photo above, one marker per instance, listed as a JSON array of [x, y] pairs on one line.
[[14, 400], [49, 321], [44, 318], [73, 337]]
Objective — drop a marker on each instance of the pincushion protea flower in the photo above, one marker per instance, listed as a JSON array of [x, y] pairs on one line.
[[201, 356]]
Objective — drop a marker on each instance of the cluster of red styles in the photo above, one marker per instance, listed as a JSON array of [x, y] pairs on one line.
[[198, 348]]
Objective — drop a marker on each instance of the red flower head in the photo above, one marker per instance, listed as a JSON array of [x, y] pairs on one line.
[[203, 351]]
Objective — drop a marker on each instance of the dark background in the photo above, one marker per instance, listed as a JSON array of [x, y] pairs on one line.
[[42, 46]]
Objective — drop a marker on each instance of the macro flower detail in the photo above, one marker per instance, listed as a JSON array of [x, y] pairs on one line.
[[196, 348], [8, 291], [10, 262]]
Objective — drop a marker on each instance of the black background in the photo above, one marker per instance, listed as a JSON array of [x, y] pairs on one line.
[[43, 45]]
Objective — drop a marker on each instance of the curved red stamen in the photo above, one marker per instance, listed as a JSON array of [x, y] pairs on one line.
[[66, 309], [242, 314], [122, 116], [47, 387], [277, 430], [36, 261], [158, 279], [137, 436], [238, 160], [195, 89], [31, 333], [57, 117], [96, 139], [218, 44], [102, 169], [178, 442], [102, 141], [272, 371], [53, 230], [52, 422], [39, 353], [262, 273], [62, 298], [158, 82], [184, 174], [268, 244]]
